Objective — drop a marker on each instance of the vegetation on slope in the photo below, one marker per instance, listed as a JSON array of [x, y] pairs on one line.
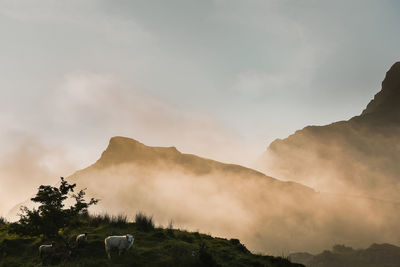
[[152, 247], [54, 221]]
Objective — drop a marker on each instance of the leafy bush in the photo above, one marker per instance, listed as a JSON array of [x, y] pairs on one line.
[[51, 215], [143, 222]]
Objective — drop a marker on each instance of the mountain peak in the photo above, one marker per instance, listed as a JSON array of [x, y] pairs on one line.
[[117, 141], [127, 150], [388, 99]]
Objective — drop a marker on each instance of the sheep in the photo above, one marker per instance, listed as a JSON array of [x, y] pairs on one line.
[[81, 239], [47, 249], [122, 243]]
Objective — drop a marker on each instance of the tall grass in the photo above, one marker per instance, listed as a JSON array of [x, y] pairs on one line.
[[143, 222], [96, 220], [170, 228], [119, 220]]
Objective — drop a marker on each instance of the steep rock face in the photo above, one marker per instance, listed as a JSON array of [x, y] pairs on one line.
[[388, 99], [359, 156]]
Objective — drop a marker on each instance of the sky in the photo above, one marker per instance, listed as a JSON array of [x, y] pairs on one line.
[[217, 78]]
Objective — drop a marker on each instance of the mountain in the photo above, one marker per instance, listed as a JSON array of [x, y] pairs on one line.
[[122, 150], [386, 102], [377, 255], [268, 215], [355, 157], [194, 192]]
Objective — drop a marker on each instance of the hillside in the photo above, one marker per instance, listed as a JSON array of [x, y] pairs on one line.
[[231, 201], [355, 157], [198, 194], [157, 247], [377, 255]]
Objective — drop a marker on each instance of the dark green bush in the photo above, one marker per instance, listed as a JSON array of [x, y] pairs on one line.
[[51, 216], [3, 221]]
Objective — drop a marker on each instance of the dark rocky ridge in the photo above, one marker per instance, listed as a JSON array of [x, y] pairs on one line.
[[388, 99], [358, 156]]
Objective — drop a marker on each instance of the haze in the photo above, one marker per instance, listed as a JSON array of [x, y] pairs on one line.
[[220, 79]]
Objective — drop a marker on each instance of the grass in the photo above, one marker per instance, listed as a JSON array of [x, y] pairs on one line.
[[153, 246], [143, 222]]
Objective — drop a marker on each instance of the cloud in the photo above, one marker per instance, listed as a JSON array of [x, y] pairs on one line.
[[71, 126], [101, 107], [26, 162]]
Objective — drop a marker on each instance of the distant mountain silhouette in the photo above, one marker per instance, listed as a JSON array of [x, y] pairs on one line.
[[360, 156], [228, 200], [122, 150], [386, 103], [194, 192], [377, 255]]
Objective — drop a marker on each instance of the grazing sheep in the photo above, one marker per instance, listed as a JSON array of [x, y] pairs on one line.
[[47, 249], [81, 239], [122, 243]]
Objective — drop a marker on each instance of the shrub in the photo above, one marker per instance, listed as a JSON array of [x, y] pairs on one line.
[[238, 245], [3, 220], [143, 222], [52, 215]]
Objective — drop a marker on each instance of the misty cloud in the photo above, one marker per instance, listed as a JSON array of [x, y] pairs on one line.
[[269, 217], [90, 108], [217, 78], [96, 102], [26, 163]]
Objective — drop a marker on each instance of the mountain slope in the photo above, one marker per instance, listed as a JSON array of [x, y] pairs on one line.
[[196, 193], [232, 201], [358, 157], [376, 255], [122, 150]]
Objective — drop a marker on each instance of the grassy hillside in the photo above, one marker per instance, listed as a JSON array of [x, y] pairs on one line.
[[152, 247]]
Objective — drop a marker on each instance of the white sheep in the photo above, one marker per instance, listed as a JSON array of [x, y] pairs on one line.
[[47, 249], [81, 239], [122, 243]]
